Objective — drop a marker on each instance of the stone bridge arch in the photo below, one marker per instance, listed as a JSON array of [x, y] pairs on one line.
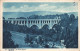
[[34, 27], [40, 22], [45, 26]]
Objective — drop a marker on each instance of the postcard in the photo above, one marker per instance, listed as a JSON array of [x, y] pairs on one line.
[[30, 25]]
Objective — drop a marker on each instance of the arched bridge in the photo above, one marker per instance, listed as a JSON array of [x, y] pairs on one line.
[[39, 22]]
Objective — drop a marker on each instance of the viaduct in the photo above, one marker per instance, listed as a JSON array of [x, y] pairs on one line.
[[30, 22]]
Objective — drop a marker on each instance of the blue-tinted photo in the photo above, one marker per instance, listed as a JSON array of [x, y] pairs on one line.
[[40, 25]]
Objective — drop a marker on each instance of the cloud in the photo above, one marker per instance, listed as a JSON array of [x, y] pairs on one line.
[[41, 7], [67, 9], [11, 9]]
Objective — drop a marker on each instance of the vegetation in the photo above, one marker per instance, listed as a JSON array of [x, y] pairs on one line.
[[66, 30], [7, 41]]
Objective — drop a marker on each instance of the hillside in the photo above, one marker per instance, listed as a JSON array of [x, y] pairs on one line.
[[27, 14]]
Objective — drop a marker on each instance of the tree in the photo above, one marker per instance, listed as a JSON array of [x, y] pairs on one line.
[[7, 41], [57, 28], [45, 30], [72, 17], [34, 29]]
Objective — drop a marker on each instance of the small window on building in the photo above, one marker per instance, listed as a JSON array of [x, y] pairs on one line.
[[45, 21], [38, 22], [22, 22], [14, 22], [41, 21], [49, 21], [9, 21], [17, 22], [31, 22]]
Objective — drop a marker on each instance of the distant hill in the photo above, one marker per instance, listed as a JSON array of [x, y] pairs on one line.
[[27, 14]]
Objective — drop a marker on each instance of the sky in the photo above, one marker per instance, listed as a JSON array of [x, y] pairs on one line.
[[40, 6]]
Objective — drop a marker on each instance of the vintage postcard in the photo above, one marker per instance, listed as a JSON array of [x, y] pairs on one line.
[[39, 26]]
